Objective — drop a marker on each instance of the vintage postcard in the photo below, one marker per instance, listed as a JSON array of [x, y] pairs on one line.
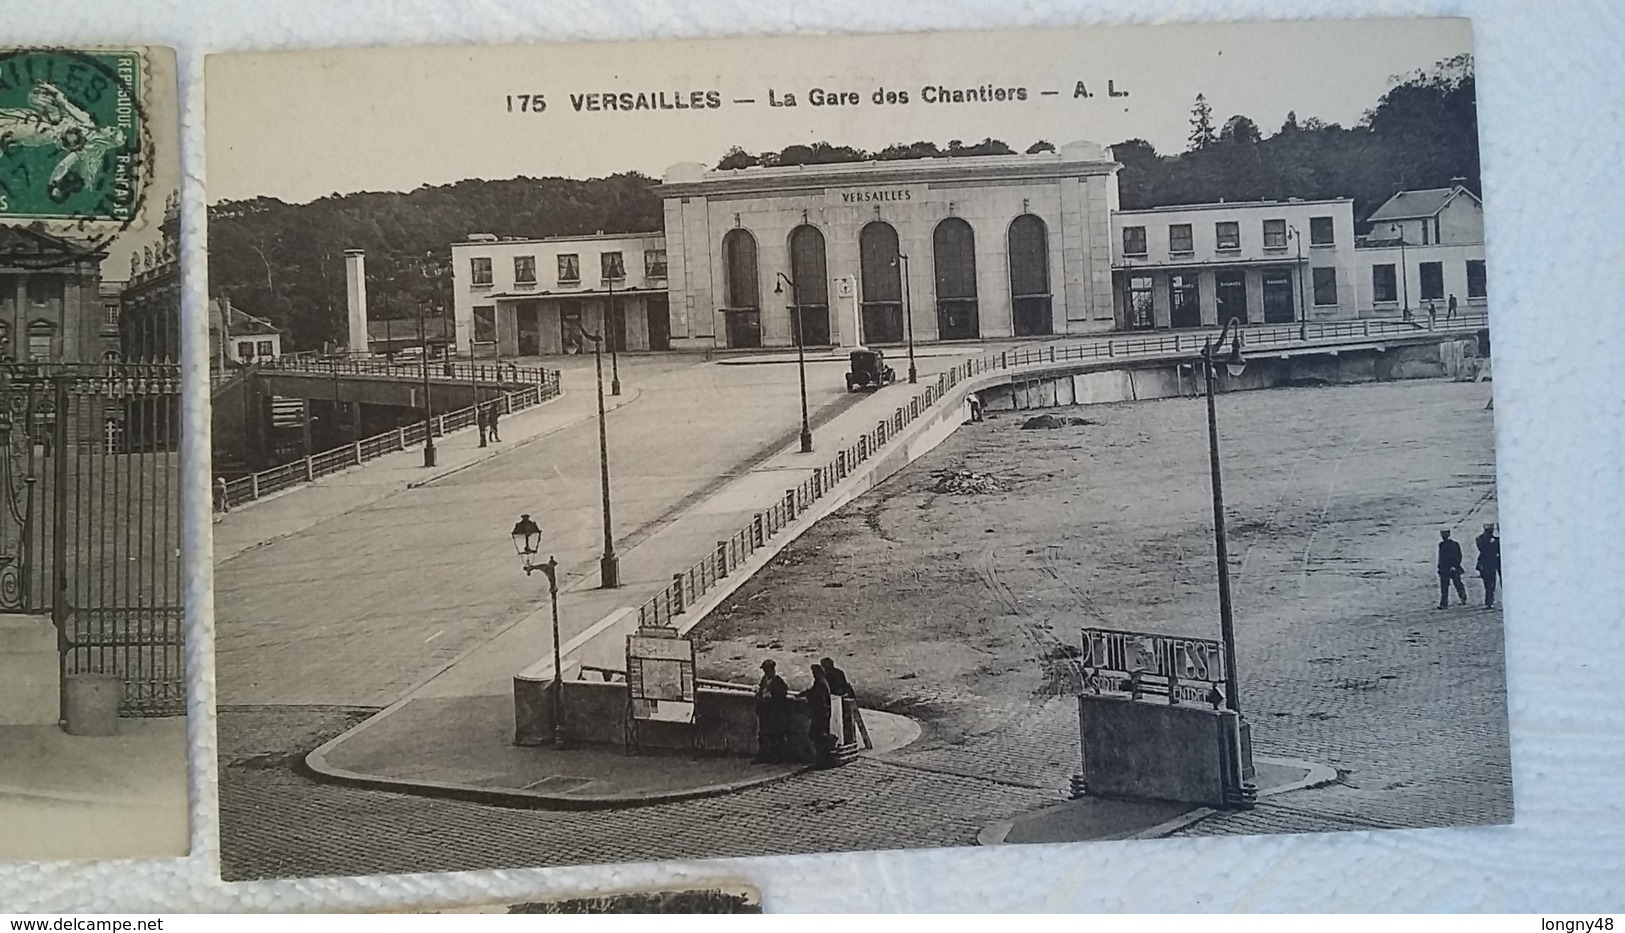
[[92, 674], [728, 448]]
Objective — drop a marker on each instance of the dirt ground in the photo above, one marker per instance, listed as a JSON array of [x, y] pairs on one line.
[[953, 592]]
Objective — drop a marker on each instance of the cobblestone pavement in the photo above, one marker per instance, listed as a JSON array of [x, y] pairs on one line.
[[275, 823], [1333, 503]]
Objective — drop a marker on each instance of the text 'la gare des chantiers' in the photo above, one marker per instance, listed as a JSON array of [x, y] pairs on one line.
[[634, 101]]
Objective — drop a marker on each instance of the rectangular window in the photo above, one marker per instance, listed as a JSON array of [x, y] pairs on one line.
[[44, 289], [485, 324], [112, 313], [1325, 287], [480, 269], [1432, 276], [1228, 234], [39, 348], [1140, 306], [654, 263], [1476, 281], [1230, 290], [1179, 239], [1384, 284], [1321, 232], [610, 266], [1184, 305], [245, 349], [1275, 234], [1134, 241], [524, 270], [569, 267], [265, 348]]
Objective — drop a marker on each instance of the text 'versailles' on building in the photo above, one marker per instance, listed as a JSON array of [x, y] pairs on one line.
[[917, 450], [92, 662]]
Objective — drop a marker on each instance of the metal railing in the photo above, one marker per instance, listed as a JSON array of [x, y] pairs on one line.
[[688, 586], [439, 370], [308, 469]]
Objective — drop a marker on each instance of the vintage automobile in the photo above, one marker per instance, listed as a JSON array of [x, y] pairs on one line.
[[868, 370]]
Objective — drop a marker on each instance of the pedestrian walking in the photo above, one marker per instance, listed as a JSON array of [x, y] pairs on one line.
[[975, 407], [1450, 311], [818, 708], [1450, 570], [772, 716], [491, 421], [1489, 562], [481, 420], [1433, 313]]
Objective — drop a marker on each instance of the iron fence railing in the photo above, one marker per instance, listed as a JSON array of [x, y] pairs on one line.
[[229, 495], [688, 586], [439, 370]]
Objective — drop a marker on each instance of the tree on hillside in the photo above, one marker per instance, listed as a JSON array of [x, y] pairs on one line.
[[1202, 135], [1239, 129]]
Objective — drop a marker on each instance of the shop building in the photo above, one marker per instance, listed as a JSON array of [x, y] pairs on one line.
[[529, 297], [1260, 262]]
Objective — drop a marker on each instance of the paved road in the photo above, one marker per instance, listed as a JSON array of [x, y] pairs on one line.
[[1353, 669], [359, 607]]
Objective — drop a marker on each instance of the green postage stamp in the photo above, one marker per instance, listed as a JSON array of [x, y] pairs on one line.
[[72, 135]]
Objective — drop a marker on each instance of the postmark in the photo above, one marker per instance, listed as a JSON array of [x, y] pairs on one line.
[[75, 148]]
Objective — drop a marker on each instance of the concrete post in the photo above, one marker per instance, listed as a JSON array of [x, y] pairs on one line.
[[310, 471], [722, 559], [357, 447], [355, 280], [756, 527], [254, 485], [677, 595]]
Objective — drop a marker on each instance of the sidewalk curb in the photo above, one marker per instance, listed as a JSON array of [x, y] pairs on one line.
[[1319, 775], [316, 766]]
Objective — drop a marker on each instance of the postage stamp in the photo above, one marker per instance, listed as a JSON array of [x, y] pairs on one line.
[[72, 135]]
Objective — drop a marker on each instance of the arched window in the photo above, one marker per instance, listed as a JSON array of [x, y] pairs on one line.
[[811, 298], [1029, 276], [882, 302], [953, 250], [741, 298]]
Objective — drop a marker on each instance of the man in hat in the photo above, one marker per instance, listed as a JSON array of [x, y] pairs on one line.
[[1489, 562], [1450, 570], [491, 421], [772, 715]]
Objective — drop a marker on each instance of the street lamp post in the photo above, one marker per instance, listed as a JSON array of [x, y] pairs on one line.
[[908, 320], [428, 403], [527, 540], [1303, 298], [801, 360], [1404, 279], [609, 566], [1234, 364], [611, 331]]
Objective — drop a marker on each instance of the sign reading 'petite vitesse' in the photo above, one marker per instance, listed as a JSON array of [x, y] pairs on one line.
[[1115, 662]]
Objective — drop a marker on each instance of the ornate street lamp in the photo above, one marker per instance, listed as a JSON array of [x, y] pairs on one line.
[[801, 359], [1235, 364], [1303, 296], [433, 271], [609, 566], [527, 541]]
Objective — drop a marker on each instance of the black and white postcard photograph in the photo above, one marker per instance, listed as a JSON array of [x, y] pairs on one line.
[[93, 680], [717, 448]]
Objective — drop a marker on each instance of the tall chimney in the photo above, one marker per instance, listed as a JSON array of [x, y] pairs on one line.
[[355, 282]]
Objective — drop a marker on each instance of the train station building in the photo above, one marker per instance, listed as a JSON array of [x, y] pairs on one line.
[[946, 249]]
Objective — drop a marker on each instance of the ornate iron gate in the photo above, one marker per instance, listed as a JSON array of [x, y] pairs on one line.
[[90, 519]]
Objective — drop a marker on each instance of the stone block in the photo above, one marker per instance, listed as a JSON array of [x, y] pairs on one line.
[[30, 671]]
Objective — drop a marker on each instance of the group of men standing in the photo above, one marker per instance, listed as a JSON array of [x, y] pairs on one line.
[[486, 417], [773, 711], [1451, 572]]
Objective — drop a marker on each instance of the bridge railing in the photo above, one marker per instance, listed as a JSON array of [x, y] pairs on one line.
[[690, 585], [228, 495], [439, 370]]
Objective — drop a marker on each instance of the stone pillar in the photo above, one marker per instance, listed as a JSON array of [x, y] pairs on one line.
[[355, 282]]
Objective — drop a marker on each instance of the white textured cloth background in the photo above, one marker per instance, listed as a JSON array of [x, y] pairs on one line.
[[1552, 108]]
